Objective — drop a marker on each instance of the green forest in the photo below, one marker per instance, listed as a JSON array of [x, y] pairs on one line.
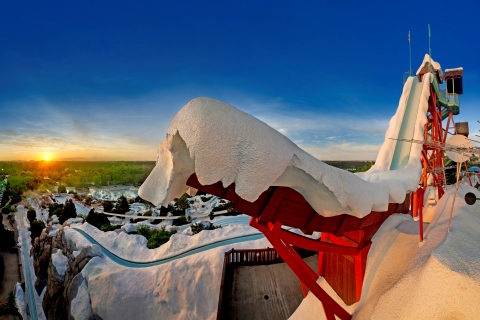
[[43, 175]]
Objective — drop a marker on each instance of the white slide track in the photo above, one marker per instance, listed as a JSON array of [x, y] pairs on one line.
[[402, 151], [29, 289]]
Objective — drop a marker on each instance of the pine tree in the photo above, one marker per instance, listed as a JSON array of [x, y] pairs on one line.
[[69, 211], [122, 205]]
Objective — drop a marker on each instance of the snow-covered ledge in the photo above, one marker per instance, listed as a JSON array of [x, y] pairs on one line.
[[221, 143]]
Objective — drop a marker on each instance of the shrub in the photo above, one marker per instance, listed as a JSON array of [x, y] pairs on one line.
[[180, 221], [222, 206], [155, 238], [2, 269], [88, 200], [110, 227], [144, 231], [36, 228], [55, 209], [158, 238], [182, 202], [205, 199], [107, 206], [31, 214], [148, 213], [122, 205], [11, 305], [199, 227], [69, 211], [156, 221], [97, 219], [8, 209]]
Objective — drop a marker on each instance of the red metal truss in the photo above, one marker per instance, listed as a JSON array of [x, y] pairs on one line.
[[343, 235], [432, 158], [283, 240]]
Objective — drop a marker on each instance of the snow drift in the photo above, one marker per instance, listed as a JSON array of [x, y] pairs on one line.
[[405, 279], [221, 143]]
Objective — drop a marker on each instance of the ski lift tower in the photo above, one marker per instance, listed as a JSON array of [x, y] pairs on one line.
[[442, 104]]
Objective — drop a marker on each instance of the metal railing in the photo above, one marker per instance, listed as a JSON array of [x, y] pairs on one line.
[[265, 256], [449, 100]]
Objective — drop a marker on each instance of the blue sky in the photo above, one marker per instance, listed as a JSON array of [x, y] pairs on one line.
[[102, 80]]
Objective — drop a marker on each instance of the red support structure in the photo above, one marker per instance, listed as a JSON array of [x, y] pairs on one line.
[[344, 238], [282, 241], [432, 156]]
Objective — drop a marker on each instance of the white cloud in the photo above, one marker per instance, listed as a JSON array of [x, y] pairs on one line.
[[344, 151], [130, 129]]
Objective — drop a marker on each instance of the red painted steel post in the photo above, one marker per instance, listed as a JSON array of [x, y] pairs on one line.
[[301, 269], [415, 204], [304, 288], [420, 220], [360, 263]]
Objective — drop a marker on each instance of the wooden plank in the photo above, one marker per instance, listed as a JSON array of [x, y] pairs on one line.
[[349, 223], [312, 224], [295, 196], [372, 218], [230, 195], [272, 205], [262, 200], [326, 226], [216, 189], [296, 208], [249, 208], [291, 220]]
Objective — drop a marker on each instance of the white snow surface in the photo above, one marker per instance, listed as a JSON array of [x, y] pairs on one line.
[[454, 69], [435, 65], [233, 153], [20, 300], [185, 288], [436, 279], [27, 264], [60, 262], [74, 220], [133, 247], [81, 306]]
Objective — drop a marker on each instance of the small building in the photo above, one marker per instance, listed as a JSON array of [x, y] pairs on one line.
[[454, 77]]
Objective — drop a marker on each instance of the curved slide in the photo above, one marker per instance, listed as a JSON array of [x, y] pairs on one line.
[[136, 264]]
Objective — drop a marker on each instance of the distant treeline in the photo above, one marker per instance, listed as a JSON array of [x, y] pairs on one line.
[[352, 166], [34, 175], [43, 175]]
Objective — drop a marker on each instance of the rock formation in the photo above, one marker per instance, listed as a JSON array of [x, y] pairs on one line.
[[60, 289]]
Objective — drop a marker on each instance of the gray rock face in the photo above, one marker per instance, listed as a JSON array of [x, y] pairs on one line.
[[41, 251], [61, 290]]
